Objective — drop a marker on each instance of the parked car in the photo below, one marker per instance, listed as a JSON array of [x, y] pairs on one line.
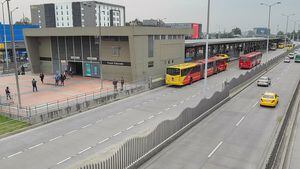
[[264, 81], [269, 99], [287, 60]]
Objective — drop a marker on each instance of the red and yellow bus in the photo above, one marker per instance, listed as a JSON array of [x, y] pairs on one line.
[[187, 73], [250, 60]]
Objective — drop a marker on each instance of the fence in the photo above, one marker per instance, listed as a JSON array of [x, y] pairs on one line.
[[72, 105], [134, 151]]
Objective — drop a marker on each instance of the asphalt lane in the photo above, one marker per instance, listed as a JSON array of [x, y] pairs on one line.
[[97, 131], [237, 135]]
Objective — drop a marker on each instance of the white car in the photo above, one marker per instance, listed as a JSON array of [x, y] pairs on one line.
[[264, 81], [291, 55], [287, 60]]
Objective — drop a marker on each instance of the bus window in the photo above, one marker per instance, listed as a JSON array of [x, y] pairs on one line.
[[173, 71], [196, 69], [210, 65], [185, 72], [244, 59]]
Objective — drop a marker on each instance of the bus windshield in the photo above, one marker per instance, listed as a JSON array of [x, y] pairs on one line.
[[243, 59], [173, 71]]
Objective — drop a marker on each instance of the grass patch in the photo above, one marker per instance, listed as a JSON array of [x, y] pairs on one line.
[[8, 125]]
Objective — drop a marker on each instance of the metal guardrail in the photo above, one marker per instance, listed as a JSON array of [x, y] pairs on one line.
[[136, 150]]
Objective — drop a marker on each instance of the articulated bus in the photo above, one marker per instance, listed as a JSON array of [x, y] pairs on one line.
[[250, 60], [290, 47], [280, 45], [187, 73], [224, 56]]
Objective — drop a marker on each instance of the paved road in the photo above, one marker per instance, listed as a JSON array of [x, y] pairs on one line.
[[62, 143], [237, 135]]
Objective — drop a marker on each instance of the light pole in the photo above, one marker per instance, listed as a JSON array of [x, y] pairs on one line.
[[206, 47], [286, 27], [4, 35], [269, 22], [294, 32], [14, 50]]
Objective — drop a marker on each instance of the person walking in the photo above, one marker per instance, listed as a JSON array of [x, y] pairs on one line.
[[62, 79], [42, 76], [56, 78], [22, 70], [122, 83], [34, 86], [7, 92], [115, 83]]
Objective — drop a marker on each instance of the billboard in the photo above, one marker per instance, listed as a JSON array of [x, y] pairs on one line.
[[196, 33]]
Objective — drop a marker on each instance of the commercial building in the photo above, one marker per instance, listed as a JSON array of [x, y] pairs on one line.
[[196, 27], [19, 40], [130, 52], [77, 14]]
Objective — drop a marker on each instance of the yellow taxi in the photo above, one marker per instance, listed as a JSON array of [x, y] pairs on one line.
[[269, 99]]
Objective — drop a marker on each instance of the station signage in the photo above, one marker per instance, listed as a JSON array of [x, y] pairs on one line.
[[116, 63], [92, 58], [75, 57]]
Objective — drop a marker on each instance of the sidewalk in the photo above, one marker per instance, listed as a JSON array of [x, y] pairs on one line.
[[48, 92]]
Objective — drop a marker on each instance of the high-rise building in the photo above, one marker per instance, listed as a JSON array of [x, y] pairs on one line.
[[77, 14]]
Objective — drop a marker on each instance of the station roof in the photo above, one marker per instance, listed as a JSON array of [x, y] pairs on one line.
[[201, 42]]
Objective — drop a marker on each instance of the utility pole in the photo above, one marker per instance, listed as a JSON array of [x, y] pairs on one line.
[[269, 22], [100, 41], [206, 47], [14, 52], [286, 27]]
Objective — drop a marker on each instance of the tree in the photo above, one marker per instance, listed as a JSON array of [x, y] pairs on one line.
[[23, 21], [135, 22], [280, 33], [236, 31]]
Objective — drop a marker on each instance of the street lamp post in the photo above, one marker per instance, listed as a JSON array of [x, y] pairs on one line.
[[287, 25], [269, 21], [294, 32], [4, 35], [206, 47], [100, 41], [14, 51]]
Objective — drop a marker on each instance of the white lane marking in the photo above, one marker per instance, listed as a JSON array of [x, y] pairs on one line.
[[86, 126], [255, 104], [151, 100], [111, 116], [63, 160], [238, 123], [174, 105], [73, 131], [35, 146], [15, 154], [55, 138], [150, 117], [100, 142], [129, 127], [215, 149], [167, 109], [82, 151], [141, 122], [117, 134], [98, 121], [160, 112], [182, 102]]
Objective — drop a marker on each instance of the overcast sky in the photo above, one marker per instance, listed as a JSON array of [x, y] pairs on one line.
[[225, 14]]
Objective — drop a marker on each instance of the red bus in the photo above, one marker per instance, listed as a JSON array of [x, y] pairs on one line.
[[250, 60]]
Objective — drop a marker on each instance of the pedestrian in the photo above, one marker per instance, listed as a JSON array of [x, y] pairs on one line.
[[71, 72], [42, 76], [22, 70], [7, 92], [34, 86], [115, 83], [56, 78], [62, 79], [122, 83]]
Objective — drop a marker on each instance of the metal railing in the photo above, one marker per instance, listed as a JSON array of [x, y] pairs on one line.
[[71, 105]]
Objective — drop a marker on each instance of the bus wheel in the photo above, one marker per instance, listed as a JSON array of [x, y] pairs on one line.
[[191, 80]]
